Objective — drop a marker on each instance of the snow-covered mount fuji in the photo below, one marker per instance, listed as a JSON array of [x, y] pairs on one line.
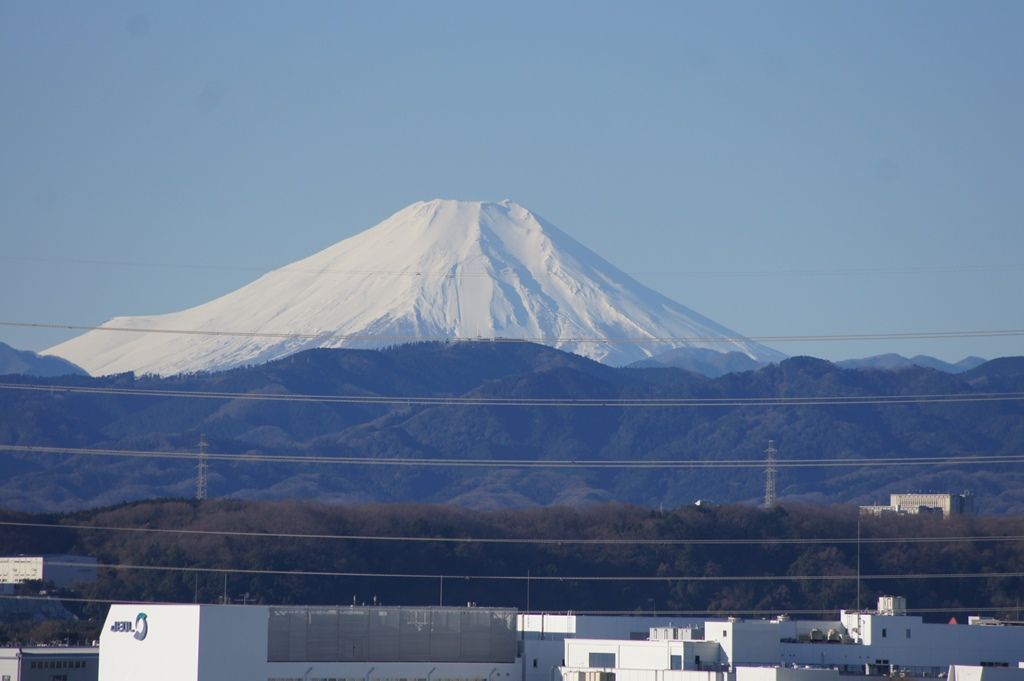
[[434, 270]]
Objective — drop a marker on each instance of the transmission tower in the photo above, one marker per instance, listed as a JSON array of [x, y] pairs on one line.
[[201, 470], [769, 475]]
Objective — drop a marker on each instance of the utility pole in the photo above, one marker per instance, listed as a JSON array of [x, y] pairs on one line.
[[769, 475], [201, 470]]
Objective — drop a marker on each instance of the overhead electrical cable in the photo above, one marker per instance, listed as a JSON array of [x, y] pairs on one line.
[[629, 340], [709, 613], [473, 400], [447, 274], [948, 460], [556, 541], [852, 576]]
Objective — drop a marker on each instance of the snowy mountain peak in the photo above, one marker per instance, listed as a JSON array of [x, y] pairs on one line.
[[440, 269]]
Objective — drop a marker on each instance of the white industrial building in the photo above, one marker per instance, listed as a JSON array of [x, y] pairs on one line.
[[268, 643], [914, 503], [883, 643], [42, 663], [60, 569]]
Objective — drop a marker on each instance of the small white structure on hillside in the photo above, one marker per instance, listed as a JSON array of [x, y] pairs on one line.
[[914, 503], [61, 569]]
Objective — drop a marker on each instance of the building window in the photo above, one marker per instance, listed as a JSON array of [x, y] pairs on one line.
[[535, 663], [675, 662], [908, 633], [606, 660], [883, 632]]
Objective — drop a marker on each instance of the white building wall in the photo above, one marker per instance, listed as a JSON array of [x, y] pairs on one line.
[[18, 569], [229, 643], [169, 652], [644, 655], [663, 675], [71, 570], [785, 674], [973, 673], [9, 664], [542, 636], [559, 627], [746, 642], [641, 655], [941, 645], [826, 654], [541, 659]]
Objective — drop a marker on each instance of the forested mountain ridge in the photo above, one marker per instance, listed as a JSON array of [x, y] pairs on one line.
[[233, 424]]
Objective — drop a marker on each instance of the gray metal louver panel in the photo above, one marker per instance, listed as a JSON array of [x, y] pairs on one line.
[[391, 635], [322, 635]]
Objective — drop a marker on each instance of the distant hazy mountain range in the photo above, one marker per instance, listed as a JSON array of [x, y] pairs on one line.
[[710, 363], [434, 270], [714, 364], [14, 361], [380, 419], [893, 362]]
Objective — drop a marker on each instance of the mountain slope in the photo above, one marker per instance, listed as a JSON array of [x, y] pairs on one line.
[[234, 424], [14, 361], [434, 270], [701, 360]]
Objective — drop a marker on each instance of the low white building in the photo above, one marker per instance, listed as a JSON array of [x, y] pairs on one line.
[[864, 643], [41, 663], [914, 503], [543, 636]]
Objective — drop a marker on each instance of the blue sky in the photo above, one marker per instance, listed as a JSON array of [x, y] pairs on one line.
[[784, 168]]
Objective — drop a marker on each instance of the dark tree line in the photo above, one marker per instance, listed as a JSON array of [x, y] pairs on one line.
[[700, 577]]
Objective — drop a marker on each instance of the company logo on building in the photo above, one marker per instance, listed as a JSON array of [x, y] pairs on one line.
[[139, 629], [141, 626]]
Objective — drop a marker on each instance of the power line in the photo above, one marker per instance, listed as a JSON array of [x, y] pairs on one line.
[[666, 613], [236, 570], [788, 611], [618, 402], [634, 340], [953, 460], [833, 271], [525, 540]]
